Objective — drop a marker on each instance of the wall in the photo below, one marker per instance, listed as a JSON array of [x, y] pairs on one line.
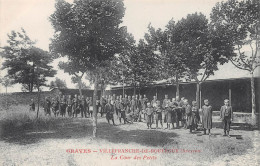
[[216, 91]]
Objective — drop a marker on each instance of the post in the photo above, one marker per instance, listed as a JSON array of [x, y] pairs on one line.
[[123, 86], [38, 100], [156, 93], [200, 95], [38, 86], [229, 93], [95, 107]]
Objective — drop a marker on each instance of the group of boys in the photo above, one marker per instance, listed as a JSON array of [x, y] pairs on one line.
[[66, 104], [138, 108]]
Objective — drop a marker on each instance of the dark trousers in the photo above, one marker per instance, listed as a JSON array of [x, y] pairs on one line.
[[149, 120], [226, 123], [83, 112]]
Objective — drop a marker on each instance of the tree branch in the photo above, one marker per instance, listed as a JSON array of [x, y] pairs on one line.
[[232, 61], [240, 57]]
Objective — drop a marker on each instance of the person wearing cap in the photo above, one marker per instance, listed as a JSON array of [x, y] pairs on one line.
[[190, 117], [144, 102], [158, 114], [226, 115], [139, 107], [117, 106], [178, 112], [103, 103], [206, 116], [32, 105], [69, 103], [174, 107], [128, 104], [195, 114], [47, 106], [149, 112], [165, 105], [83, 109], [109, 112], [122, 108], [63, 105], [133, 104]]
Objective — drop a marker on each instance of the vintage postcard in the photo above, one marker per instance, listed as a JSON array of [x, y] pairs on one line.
[[129, 82]]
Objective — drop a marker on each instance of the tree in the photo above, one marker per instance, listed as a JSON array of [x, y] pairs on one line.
[[58, 83], [6, 82], [170, 65], [83, 86], [88, 33], [138, 65], [200, 49], [239, 22], [77, 70], [25, 63]]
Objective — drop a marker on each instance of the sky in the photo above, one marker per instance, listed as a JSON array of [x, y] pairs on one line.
[[33, 16]]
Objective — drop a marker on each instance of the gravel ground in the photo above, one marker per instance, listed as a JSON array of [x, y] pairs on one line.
[[50, 147]]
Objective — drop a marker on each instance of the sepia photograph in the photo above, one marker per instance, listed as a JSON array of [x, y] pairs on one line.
[[129, 82]]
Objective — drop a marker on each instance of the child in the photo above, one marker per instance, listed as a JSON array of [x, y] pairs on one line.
[[47, 106], [69, 106], [206, 116], [189, 115], [32, 105], [195, 115], [226, 115], [109, 112], [149, 112], [158, 114]]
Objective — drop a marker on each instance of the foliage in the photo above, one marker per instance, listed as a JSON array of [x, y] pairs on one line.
[[6, 82], [58, 83], [88, 32], [239, 22], [170, 65], [25, 63]]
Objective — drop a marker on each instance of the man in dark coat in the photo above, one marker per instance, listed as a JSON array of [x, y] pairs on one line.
[[226, 115], [47, 106], [158, 114], [149, 112], [144, 102], [83, 107], [165, 106], [32, 105], [109, 112], [69, 106], [103, 103], [63, 106], [76, 106]]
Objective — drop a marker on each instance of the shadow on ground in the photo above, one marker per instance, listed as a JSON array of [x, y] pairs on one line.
[[82, 128]]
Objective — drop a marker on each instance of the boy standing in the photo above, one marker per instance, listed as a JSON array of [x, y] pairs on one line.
[[149, 112], [226, 115]]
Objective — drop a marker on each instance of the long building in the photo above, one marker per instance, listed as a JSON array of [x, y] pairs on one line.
[[237, 90]]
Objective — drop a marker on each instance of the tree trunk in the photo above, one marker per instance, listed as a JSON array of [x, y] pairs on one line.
[[134, 89], [80, 87], [253, 99], [198, 93], [177, 85], [95, 108], [38, 101], [103, 89]]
